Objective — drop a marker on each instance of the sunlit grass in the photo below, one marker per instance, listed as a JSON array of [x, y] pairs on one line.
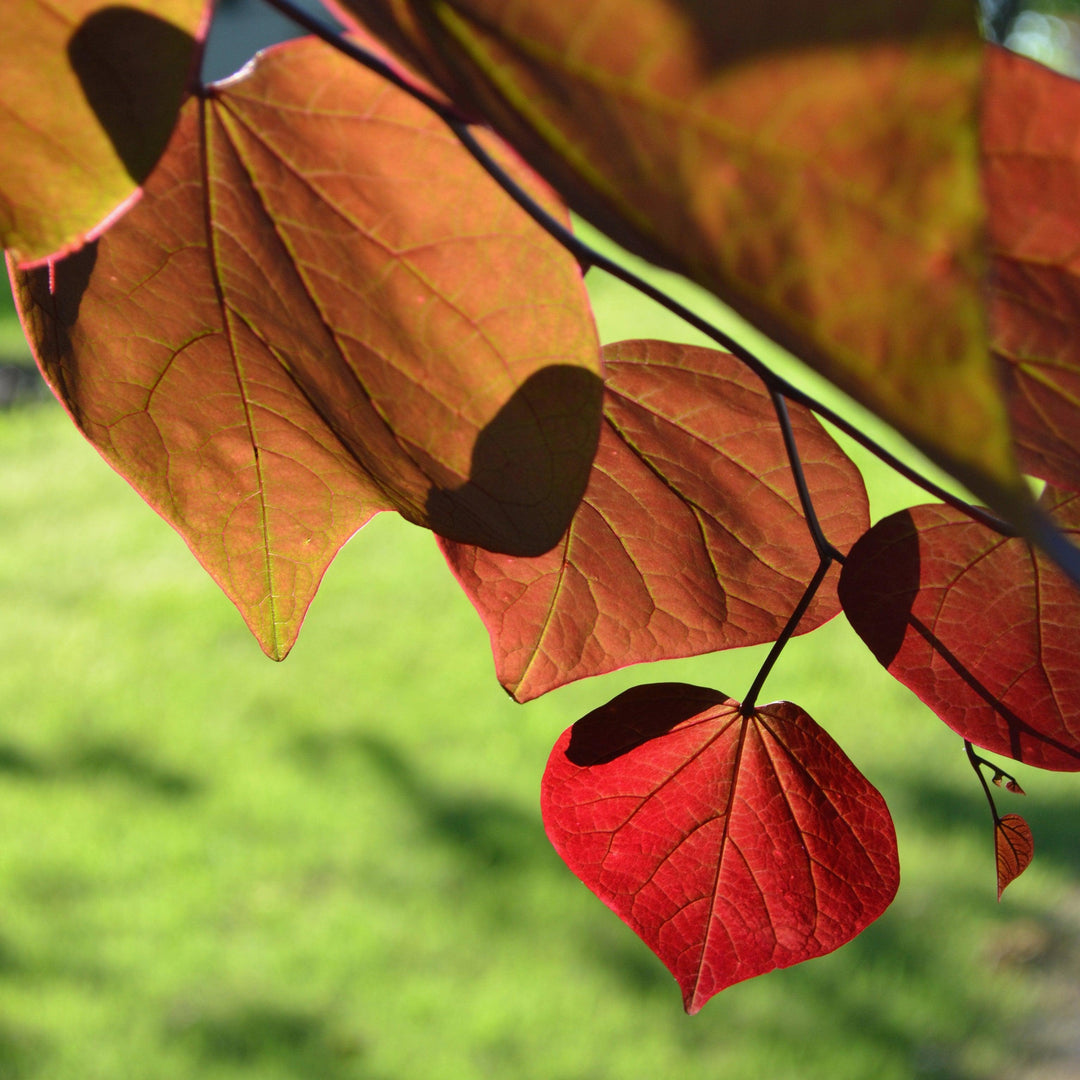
[[12, 344]]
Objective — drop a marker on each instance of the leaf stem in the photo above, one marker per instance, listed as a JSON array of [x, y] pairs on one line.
[[976, 762], [588, 256], [750, 700], [825, 550]]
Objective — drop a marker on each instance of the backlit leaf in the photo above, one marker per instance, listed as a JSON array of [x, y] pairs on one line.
[[984, 629], [690, 537], [1008, 783], [1031, 147], [89, 94], [731, 845], [1014, 848], [321, 308], [820, 174]]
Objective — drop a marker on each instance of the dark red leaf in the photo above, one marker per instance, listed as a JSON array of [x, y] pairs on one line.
[[731, 845], [820, 174], [89, 94], [690, 537], [1014, 846], [985, 630], [1031, 149], [322, 307]]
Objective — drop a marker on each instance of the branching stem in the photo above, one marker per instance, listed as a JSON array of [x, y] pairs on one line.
[[976, 763]]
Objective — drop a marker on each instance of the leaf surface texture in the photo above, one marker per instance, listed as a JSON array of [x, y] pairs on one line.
[[819, 174], [1031, 150], [322, 308], [89, 95], [984, 629], [731, 845], [690, 537], [1014, 849]]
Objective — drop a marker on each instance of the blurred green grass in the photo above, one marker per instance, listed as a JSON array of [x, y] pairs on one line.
[[334, 868], [13, 348]]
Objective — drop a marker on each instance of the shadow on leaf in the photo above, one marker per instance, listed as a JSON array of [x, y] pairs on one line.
[[634, 717], [132, 68], [530, 465]]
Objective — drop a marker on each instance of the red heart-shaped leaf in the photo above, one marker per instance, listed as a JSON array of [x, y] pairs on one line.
[[983, 628], [731, 844]]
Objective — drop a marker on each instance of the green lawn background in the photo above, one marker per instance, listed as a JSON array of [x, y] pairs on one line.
[[215, 866]]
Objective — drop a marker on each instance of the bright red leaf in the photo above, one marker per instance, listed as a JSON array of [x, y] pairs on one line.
[[690, 537], [1031, 148], [731, 845], [322, 307], [89, 95], [985, 630], [1014, 848], [820, 174]]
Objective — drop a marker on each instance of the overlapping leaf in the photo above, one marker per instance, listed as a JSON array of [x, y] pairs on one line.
[[320, 308], [984, 630], [89, 95], [731, 845], [1014, 848], [690, 537], [818, 173], [1031, 147]]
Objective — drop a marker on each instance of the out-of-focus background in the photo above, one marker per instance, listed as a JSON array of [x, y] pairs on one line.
[[334, 868]]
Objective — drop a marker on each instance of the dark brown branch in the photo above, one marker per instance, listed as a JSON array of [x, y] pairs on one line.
[[785, 635]]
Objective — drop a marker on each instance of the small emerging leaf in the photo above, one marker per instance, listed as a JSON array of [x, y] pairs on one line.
[[89, 95], [985, 630], [1010, 785], [322, 307], [690, 537], [1014, 847], [731, 844]]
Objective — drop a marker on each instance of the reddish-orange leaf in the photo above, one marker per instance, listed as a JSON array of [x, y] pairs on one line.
[[1014, 847], [1009, 784], [89, 94], [985, 630], [731, 845], [690, 537], [322, 307], [820, 174], [1031, 148]]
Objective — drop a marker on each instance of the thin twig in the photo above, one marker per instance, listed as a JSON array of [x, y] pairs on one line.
[[785, 635], [825, 550], [976, 761]]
